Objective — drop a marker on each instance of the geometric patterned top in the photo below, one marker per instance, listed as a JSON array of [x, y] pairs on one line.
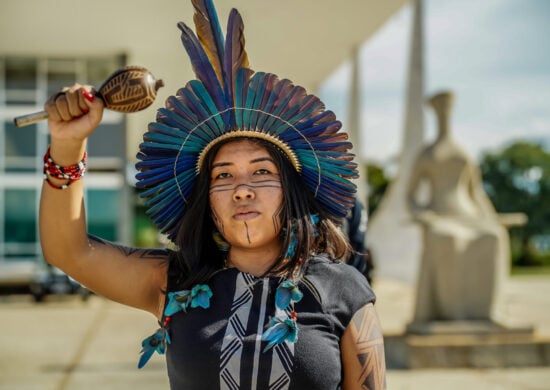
[[222, 348]]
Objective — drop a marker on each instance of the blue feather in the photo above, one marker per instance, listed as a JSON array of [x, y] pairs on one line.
[[280, 330], [172, 119], [268, 100], [284, 95], [154, 343], [204, 97], [176, 104], [202, 65], [286, 294], [210, 33], [235, 56], [242, 80], [189, 98]]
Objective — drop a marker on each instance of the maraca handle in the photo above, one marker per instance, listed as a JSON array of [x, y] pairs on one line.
[[29, 119]]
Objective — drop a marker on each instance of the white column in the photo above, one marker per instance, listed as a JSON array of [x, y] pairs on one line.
[[395, 241], [353, 125]]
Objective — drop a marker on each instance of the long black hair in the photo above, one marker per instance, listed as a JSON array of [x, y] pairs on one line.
[[197, 256]]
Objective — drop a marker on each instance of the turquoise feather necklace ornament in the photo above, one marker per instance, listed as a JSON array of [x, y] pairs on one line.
[[198, 296], [229, 100], [282, 327]]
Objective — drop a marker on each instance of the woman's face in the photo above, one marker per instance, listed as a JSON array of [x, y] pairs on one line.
[[246, 196]]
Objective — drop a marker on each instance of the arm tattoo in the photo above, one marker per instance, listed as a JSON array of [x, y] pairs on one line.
[[369, 349], [141, 253]]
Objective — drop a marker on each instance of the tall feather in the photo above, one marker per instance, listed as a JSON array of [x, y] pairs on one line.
[[210, 34], [201, 65], [235, 53]]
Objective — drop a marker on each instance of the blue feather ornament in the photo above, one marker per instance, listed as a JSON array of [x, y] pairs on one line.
[[178, 301], [155, 343], [280, 330], [287, 293]]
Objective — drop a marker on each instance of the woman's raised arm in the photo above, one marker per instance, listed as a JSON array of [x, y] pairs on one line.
[[135, 277]]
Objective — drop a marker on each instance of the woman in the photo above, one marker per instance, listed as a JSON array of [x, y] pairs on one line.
[[252, 296]]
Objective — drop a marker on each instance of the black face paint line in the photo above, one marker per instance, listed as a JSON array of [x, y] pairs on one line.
[[220, 188], [276, 219], [254, 186], [247, 233], [217, 221]]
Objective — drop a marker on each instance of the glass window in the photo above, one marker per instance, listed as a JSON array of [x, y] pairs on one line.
[[99, 69], [103, 213], [58, 79], [20, 80], [20, 215], [20, 147], [108, 141]]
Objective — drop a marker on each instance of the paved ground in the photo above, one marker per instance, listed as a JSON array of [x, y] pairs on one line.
[[67, 344]]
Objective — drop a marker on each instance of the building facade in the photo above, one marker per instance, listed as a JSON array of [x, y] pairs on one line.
[[25, 84]]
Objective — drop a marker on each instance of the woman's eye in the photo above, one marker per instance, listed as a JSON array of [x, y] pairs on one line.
[[223, 175], [263, 172]]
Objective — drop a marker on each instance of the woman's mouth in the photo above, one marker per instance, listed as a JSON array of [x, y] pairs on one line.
[[246, 216]]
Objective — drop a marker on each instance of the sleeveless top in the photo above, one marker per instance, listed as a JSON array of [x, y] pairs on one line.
[[222, 348]]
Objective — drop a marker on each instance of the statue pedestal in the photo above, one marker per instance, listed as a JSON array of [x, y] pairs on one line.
[[479, 327], [454, 344]]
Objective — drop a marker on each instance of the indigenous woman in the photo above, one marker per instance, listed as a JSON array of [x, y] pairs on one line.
[[249, 177]]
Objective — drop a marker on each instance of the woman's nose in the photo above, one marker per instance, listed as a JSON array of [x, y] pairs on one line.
[[243, 191]]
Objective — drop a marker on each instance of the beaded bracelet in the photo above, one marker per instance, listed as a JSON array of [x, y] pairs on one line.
[[71, 173]]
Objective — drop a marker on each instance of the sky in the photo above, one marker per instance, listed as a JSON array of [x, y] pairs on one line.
[[494, 55]]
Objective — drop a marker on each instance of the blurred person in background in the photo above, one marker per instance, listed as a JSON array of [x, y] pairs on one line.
[[355, 227]]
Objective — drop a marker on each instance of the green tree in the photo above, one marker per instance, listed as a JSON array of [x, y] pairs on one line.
[[377, 184], [517, 179]]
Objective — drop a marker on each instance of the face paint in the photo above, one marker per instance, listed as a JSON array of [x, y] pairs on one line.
[[252, 186], [247, 233], [276, 219], [217, 221], [246, 197]]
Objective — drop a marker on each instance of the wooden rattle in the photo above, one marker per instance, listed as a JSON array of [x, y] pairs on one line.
[[129, 89]]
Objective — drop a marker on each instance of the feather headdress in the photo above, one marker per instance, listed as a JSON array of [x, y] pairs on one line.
[[229, 100]]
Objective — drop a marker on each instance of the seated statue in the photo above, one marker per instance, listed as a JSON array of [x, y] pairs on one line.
[[465, 246]]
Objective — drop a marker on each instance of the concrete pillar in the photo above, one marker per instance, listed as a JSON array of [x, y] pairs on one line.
[[394, 239], [354, 124]]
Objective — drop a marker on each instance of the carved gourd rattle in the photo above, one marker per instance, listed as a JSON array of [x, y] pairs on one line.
[[129, 89]]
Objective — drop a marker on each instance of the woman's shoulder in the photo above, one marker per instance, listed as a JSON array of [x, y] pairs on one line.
[[342, 289], [324, 266], [338, 278]]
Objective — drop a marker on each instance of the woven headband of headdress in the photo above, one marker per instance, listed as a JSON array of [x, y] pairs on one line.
[[229, 100]]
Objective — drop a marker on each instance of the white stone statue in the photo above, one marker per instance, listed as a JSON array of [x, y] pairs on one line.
[[465, 251]]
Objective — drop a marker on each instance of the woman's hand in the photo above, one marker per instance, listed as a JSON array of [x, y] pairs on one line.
[[73, 114]]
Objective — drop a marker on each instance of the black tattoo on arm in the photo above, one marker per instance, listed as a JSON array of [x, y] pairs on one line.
[[141, 253], [369, 349]]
